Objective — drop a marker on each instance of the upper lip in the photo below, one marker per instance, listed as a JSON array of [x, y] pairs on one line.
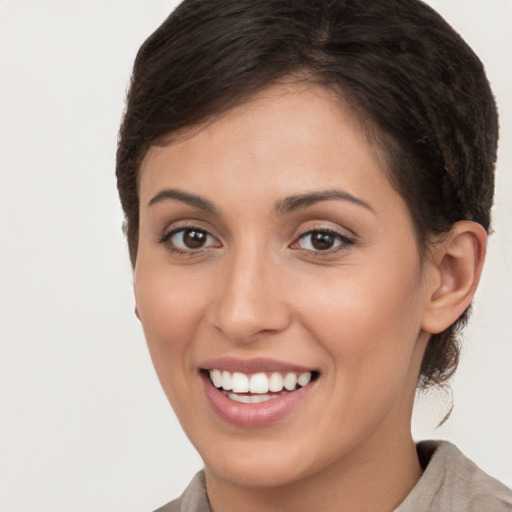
[[250, 366]]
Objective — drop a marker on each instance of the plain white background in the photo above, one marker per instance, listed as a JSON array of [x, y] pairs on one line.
[[84, 425]]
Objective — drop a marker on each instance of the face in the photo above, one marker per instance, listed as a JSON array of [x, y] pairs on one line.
[[280, 289]]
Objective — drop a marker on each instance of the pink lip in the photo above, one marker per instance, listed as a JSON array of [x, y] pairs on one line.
[[254, 415], [250, 366]]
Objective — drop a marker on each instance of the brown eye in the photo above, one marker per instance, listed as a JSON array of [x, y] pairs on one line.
[[194, 239], [322, 241], [189, 240]]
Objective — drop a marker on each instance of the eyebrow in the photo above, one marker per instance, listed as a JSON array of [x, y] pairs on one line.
[[300, 201], [185, 197], [282, 207]]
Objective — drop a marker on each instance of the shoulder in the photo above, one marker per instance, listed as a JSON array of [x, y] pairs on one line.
[[452, 482], [193, 499]]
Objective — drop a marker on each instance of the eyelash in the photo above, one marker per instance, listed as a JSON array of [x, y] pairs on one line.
[[344, 241], [166, 239]]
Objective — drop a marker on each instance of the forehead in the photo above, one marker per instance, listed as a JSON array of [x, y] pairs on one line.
[[287, 133]]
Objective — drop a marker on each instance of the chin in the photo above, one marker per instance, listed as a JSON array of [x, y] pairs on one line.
[[257, 469]]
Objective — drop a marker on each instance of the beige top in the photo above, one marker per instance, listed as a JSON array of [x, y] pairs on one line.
[[450, 483]]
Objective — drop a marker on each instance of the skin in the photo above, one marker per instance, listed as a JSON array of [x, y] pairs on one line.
[[360, 314]]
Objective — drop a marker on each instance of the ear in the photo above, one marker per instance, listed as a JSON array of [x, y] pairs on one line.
[[136, 308], [454, 273]]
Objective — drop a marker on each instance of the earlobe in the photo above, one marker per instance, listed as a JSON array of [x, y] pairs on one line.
[[136, 310], [457, 263]]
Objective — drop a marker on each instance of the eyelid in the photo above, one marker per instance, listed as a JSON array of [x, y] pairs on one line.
[[346, 241], [185, 223], [166, 237]]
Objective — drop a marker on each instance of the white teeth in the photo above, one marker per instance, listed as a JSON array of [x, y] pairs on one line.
[[226, 381], [250, 399], [256, 399], [216, 376], [240, 383], [276, 382], [245, 399], [304, 379], [258, 383], [290, 381]]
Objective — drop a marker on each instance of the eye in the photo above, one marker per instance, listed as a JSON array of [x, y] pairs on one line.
[[189, 240], [322, 240]]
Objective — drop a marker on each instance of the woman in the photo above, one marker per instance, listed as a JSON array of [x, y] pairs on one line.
[[307, 188]]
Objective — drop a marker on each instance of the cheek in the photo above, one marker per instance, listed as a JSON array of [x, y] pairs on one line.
[[368, 320], [170, 312], [369, 333]]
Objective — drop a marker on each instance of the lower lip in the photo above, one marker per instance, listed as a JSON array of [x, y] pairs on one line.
[[254, 415]]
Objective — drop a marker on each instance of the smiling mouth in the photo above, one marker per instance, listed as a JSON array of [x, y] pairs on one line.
[[258, 387]]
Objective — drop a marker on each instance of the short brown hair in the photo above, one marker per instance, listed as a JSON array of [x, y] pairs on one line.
[[418, 88]]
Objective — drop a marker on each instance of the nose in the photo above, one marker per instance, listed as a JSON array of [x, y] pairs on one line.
[[249, 301]]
